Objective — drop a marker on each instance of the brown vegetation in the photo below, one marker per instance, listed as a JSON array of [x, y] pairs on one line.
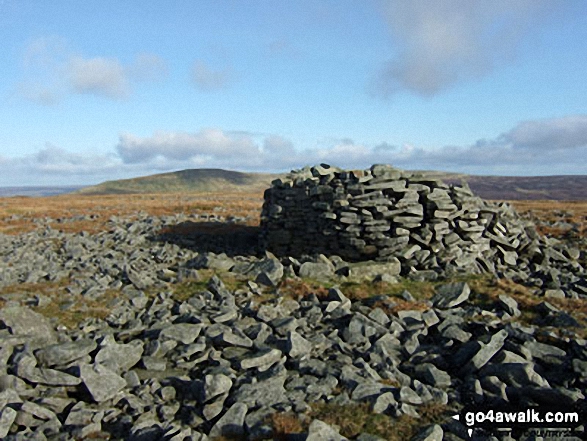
[[572, 212], [17, 214]]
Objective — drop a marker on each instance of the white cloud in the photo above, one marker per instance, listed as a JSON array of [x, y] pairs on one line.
[[546, 146], [556, 133], [276, 145], [207, 79], [439, 43], [53, 165], [98, 76], [213, 144], [51, 71]]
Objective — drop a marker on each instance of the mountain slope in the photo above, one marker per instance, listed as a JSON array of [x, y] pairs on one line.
[[194, 180]]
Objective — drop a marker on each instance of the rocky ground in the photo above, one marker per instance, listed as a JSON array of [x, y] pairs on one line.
[[158, 328]]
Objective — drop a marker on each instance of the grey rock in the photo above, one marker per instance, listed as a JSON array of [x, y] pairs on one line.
[[367, 390], [362, 271], [431, 433], [25, 322], [101, 382], [488, 350], [509, 305], [185, 333], [265, 358], [268, 271], [543, 351], [216, 384], [7, 417], [232, 339], [263, 393], [154, 363], [320, 431], [231, 423], [515, 374], [50, 377], [316, 271], [430, 374], [408, 396], [297, 346], [119, 357], [65, 353], [451, 295], [384, 402]]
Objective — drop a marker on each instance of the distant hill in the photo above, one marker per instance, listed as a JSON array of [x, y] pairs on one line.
[[193, 180], [572, 187], [562, 187]]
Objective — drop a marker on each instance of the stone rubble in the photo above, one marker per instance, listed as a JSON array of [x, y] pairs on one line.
[[171, 371], [222, 361]]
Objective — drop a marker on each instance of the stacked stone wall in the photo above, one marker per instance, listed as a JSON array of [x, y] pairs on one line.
[[384, 213]]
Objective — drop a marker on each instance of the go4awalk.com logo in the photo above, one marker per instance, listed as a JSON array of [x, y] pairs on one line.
[[547, 422]]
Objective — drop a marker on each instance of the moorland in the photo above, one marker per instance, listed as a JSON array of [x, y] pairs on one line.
[[236, 347]]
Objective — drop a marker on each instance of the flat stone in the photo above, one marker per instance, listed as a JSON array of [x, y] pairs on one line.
[[451, 295], [154, 363], [7, 417], [25, 322], [51, 377], [231, 424], [515, 374], [430, 374], [408, 396], [367, 390], [185, 333], [216, 384], [101, 382], [509, 305], [297, 346], [383, 402], [264, 393], [316, 271], [264, 359], [267, 272], [368, 270], [231, 339], [65, 353], [320, 431], [488, 350], [119, 357]]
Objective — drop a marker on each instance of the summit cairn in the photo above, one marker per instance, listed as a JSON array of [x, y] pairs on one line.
[[384, 213]]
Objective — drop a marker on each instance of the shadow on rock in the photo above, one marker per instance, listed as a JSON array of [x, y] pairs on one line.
[[218, 237]]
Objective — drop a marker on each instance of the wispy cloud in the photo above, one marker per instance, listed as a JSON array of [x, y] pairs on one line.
[[439, 43], [539, 147], [98, 76], [208, 79], [52, 70]]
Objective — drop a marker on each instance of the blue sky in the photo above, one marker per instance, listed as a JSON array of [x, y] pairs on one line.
[[93, 91]]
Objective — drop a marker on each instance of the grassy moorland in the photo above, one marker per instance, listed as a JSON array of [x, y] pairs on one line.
[[18, 214]]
